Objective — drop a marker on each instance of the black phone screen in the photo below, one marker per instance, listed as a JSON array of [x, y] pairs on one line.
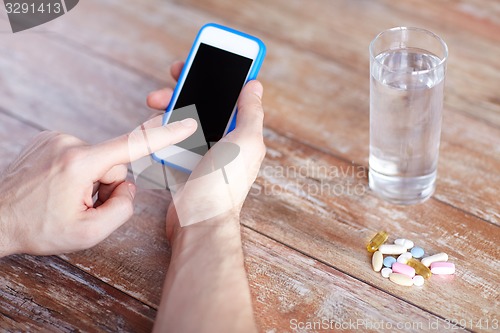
[[213, 85]]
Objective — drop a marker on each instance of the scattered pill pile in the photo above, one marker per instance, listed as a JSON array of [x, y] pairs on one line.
[[406, 269]]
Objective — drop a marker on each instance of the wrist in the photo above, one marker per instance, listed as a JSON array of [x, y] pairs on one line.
[[225, 223], [218, 235]]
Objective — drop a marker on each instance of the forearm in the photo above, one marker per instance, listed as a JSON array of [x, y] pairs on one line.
[[206, 289]]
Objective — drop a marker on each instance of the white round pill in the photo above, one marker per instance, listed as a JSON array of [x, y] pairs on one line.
[[418, 280], [386, 272]]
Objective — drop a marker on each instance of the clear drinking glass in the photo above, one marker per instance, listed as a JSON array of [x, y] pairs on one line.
[[407, 71]]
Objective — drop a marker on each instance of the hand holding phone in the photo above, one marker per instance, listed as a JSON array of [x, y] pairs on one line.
[[221, 61]]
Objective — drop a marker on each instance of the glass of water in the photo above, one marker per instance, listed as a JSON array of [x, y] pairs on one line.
[[407, 71]]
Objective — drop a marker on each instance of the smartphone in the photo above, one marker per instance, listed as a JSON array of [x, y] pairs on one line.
[[219, 64]]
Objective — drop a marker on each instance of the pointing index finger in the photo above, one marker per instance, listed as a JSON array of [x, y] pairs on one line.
[[146, 139]]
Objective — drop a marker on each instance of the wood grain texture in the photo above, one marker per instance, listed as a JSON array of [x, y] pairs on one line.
[[310, 212], [93, 101], [126, 261], [48, 294], [337, 35], [333, 114], [289, 288]]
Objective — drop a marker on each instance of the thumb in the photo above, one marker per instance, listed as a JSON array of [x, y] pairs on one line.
[[144, 140], [115, 211], [250, 116]]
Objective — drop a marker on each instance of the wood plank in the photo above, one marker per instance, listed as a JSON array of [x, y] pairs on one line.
[[332, 117], [48, 294], [93, 100]]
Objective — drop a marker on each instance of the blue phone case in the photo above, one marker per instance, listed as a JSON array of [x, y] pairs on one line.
[[254, 70]]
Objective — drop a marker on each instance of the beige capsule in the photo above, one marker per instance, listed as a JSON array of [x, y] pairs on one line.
[[377, 261], [401, 279]]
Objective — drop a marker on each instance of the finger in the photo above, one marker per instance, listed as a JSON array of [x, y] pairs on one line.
[[113, 212], [176, 69], [117, 173], [109, 182], [105, 192], [250, 116], [159, 99], [144, 140]]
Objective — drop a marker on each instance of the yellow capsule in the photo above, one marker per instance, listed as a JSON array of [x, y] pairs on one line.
[[376, 241], [420, 268]]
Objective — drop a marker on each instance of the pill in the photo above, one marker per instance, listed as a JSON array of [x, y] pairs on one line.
[[377, 260], [392, 249], [442, 268], [420, 269], [386, 272], [427, 261], [401, 279], [398, 267], [403, 258], [417, 252], [388, 261], [408, 244], [376, 241], [418, 280]]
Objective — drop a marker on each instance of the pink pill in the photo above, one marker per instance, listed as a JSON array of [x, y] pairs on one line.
[[398, 267], [442, 268]]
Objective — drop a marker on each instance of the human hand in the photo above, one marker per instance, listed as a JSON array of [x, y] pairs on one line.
[[209, 192], [46, 194]]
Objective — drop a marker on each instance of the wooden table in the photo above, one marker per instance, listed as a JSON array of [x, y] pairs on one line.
[[310, 213]]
